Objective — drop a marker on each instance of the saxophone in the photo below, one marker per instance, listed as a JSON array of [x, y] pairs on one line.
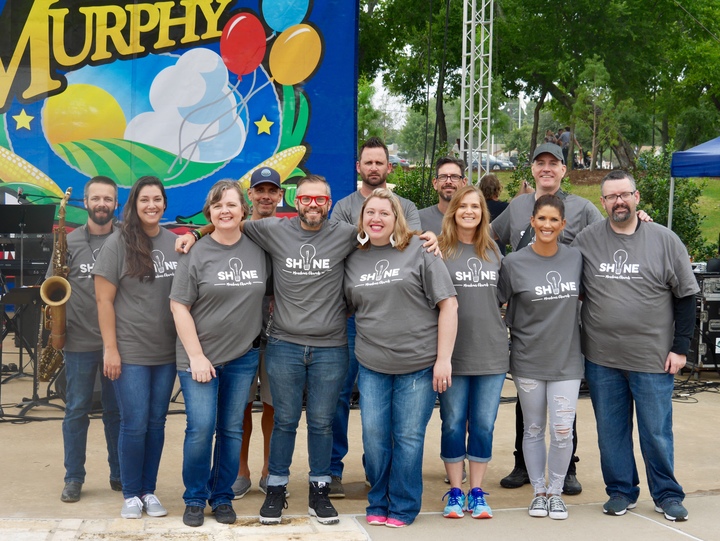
[[55, 292]]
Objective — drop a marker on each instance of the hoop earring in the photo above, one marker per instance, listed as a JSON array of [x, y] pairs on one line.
[[392, 240], [363, 240]]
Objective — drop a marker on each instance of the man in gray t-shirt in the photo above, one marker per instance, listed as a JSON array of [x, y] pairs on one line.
[[548, 169], [307, 346], [449, 178], [632, 269], [83, 345]]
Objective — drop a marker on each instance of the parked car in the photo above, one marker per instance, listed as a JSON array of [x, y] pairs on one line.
[[397, 161], [495, 163]]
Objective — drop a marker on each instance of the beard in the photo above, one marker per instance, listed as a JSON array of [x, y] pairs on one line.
[[314, 221], [621, 213], [374, 181], [100, 219]]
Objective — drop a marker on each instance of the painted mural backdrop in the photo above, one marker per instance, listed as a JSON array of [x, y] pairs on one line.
[[190, 91]]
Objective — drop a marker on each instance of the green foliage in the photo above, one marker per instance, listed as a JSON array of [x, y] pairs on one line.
[[412, 185], [653, 182], [369, 118]]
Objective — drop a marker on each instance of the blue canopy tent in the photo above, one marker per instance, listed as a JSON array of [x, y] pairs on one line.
[[700, 161]]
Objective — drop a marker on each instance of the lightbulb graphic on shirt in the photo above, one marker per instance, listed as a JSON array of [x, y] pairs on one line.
[[554, 279], [380, 267], [475, 266], [236, 266], [95, 252], [619, 257], [158, 261], [307, 252]]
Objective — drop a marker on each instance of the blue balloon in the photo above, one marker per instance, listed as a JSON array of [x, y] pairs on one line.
[[282, 14]]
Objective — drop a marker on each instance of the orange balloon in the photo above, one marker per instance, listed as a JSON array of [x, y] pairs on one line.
[[295, 54]]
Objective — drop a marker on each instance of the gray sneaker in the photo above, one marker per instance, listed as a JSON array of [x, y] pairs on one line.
[[557, 510], [152, 506], [132, 508], [263, 485], [336, 487], [538, 507], [617, 506], [241, 486], [673, 510], [71, 492]]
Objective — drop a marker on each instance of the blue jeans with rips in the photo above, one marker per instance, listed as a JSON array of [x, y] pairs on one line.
[[468, 410], [143, 394], [81, 369], [215, 409], [395, 410], [614, 393], [292, 368], [342, 412]]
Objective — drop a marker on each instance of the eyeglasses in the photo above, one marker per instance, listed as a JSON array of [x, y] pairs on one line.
[[452, 178], [625, 196], [319, 200]]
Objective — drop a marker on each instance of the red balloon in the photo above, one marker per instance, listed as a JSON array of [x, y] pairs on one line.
[[242, 44]]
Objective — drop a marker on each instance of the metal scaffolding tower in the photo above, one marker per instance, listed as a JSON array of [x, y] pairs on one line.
[[476, 92]]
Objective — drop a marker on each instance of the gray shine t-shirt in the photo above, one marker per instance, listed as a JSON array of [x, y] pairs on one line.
[[144, 325], [511, 224], [308, 271], [543, 313], [83, 330], [431, 219], [394, 296], [224, 286], [481, 346], [629, 282], [348, 210]]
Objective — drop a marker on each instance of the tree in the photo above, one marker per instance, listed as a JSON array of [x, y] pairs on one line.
[[370, 120]]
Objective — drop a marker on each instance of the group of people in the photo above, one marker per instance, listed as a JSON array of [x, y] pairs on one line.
[[423, 291]]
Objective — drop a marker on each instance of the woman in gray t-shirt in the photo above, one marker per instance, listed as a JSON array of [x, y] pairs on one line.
[[406, 320], [541, 284], [133, 276], [480, 359]]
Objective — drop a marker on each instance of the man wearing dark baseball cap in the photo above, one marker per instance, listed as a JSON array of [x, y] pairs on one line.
[[264, 175], [513, 227]]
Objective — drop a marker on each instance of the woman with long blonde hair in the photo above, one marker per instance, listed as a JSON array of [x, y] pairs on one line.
[[480, 358]]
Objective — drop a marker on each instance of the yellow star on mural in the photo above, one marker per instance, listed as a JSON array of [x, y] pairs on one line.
[[263, 125], [23, 120]]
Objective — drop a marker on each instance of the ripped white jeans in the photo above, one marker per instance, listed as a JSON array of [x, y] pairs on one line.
[[537, 398]]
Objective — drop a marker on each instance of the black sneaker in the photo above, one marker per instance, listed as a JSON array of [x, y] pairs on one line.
[[225, 514], [572, 486], [71, 492], [319, 504], [193, 516], [116, 485], [515, 479], [275, 502]]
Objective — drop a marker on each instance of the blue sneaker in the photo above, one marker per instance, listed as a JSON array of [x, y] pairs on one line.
[[455, 504], [477, 505]]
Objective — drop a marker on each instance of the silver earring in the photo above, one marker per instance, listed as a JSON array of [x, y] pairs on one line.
[[392, 240], [363, 240]]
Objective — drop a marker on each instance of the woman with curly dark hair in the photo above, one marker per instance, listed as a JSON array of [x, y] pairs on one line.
[[133, 276]]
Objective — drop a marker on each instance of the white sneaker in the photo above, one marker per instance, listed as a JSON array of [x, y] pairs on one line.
[[556, 508], [152, 506], [132, 508], [538, 507]]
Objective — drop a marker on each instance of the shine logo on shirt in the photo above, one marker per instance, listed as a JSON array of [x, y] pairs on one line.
[[307, 263], [556, 288], [163, 268], [86, 268], [236, 275], [619, 269], [383, 274], [475, 276]]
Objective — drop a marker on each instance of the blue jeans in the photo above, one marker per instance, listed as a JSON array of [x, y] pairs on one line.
[[143, 394], [342, 412], [80, 372], [291, 368], [613, 393], [215, 408], [395, 411], [469, 407]]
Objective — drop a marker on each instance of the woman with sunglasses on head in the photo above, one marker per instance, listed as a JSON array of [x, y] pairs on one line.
[[406, 319], [216, 301], [541, 285], [480, 358], [133, 276]]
